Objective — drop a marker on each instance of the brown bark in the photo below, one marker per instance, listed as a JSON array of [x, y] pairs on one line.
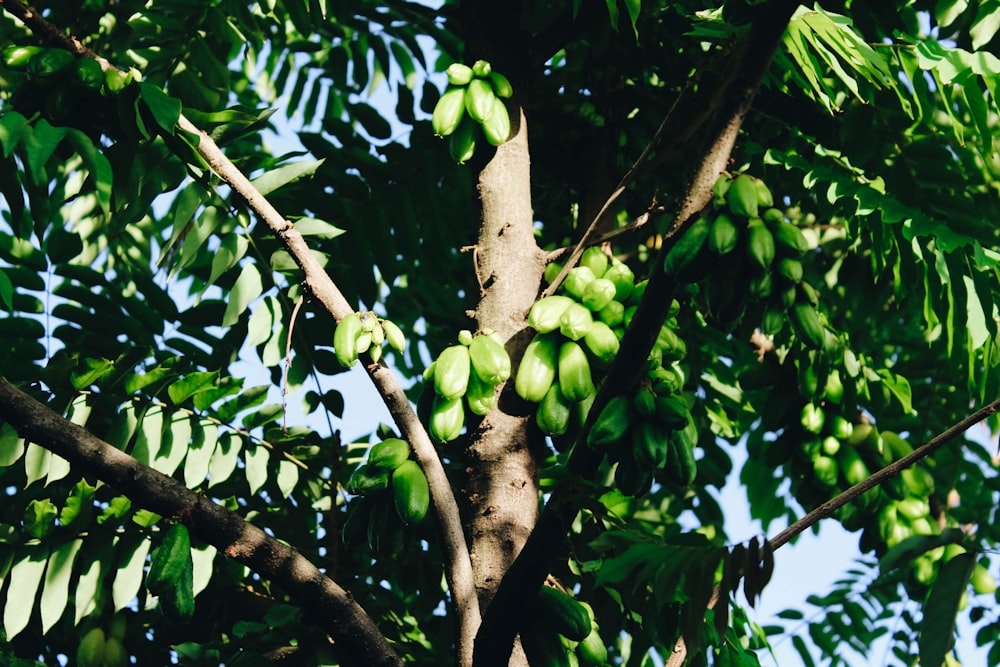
[[502, 475]]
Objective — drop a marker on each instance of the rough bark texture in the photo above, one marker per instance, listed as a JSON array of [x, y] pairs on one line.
[[502, 484]]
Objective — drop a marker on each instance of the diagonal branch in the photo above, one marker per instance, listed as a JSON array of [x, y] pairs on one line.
[[500, 622], [458, 567], [332, 607], [826, 509]]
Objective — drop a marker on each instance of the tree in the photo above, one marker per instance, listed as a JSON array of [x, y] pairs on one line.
[[760, 227]]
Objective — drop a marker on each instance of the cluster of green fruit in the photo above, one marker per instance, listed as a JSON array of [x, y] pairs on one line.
[[471, 107], [766, 252], [365, 332], [62, 78], [98, 649], [578, 334], [561, 631], [464, 375], [389, 464]]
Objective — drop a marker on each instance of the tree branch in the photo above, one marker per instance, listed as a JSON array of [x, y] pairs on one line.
[[458, 566], [875, 479], [500, 622], [333, 608]]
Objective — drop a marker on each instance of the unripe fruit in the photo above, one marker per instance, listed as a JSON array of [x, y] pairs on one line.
[[114, 653], [459, 74], [410, 492], [90, 652], [479, 100], [501, 85], [742, 196]]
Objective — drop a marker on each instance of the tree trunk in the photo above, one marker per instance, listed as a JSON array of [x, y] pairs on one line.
[[502, 484]]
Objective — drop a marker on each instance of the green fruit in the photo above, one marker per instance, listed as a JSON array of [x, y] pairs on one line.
[[633, 478], [114, 653], [612, 424], [742, 196], [501, 85], [670, 344], [724, 234], [490, 360], [448, 112], [651, 443], [447, 418], [462, 145], [577, 280], [169, 560], [912, 508], [552, 271], [760, 243], [479, 100], [563, 614], [537, 369], [451, 371], [553, 412], [982, 582], [410, 492], [88, 73], [773, 320], [681, 468], [764, 196], [459, 74], [545, 313], [543, 647], [389, 454], [635, 296], [482, 68], [672, 410], [480, 396], [496, 128], [720, 187], [602, 342], [686, 260], [612, 314], [831, 445], [855, 470], [841, 428], [623, 279], [812, 418], [592, 651], [574, 375], [596, 260], [344, 340], [805, 320], [826, 470], [368, 479], [790, 269], [49, 63], [791, 237], [394, 336], [90, 652], [644, 402], [17, 57], [598, 293], [575, 321]]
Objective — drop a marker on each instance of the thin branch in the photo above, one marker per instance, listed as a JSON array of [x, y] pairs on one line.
[[458, 566], [327, 603], [875, 479]]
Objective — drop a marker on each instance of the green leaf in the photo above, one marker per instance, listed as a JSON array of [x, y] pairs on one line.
[[247, 288], [128, 575], [987, 22], [39, 517], [36, 463], [225, 456], [256, 463], [6, 291], [233, 248], [633, 7], [175, 447], [88, 587], [150, 436], [202, 559], [11, 446], [288, 477], [12, 128], [196, 464], [903, 553], [25, 577], [165, 109], [318, 228], [937, 630], [191, 384], [39, 145], [97, 164], [289, 173], [55, 593]]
